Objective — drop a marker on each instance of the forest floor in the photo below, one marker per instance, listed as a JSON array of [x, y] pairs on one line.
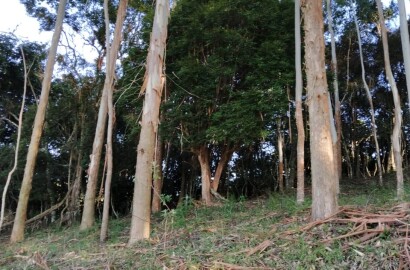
[[371, 231]]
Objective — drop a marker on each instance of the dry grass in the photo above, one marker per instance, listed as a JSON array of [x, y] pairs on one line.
[[266, 233]]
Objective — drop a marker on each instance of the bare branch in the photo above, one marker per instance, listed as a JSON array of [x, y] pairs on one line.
[[19, 127], [9, 121]]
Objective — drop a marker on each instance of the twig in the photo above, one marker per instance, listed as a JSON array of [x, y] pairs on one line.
[[259, 248], [353, 234], [259, 219], [318, 222], [229, 266]]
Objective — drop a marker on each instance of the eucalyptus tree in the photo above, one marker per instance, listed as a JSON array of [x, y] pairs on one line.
[[370, 99], [228, 73], [396, 136], [300, 196], [108, 87], [357, 123], [324, 174], [405, 43], [88, 216], [154, 81], [84, 17], [21, 213]]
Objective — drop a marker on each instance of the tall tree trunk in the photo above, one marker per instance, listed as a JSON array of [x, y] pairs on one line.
[[183, 189], [73, 205], [153, 86], [396, 136], [338, 118], [348, 162], [333, 133], [369, 97], [280, 157], [16, 151], [292, 164], [158, 179], [50, 191], [63, 215], [111, 117], [203, 158], [405, 44], [391, 164], [358, 157], [300, 193], [324, 174], [88, 217], [21, 214]]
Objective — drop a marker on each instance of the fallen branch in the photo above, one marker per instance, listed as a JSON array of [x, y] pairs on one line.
[[259, 248], [42, 214], [406, 247], [385, 220], [321, 221]]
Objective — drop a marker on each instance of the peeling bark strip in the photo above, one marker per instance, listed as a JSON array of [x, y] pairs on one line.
[[152, 86], [324, 175], [157, 174]]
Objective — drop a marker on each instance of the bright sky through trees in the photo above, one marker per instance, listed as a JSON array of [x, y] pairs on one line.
[[14, 19]]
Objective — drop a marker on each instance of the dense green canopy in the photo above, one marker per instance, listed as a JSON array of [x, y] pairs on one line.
[[227, 70]]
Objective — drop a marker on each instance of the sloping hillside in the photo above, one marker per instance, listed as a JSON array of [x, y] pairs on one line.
[[370, 232]]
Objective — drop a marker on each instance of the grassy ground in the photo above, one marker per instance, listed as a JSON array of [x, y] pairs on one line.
[[263, 233]]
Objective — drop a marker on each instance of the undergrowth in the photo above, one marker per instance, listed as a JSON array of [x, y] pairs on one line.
[[252, 234]]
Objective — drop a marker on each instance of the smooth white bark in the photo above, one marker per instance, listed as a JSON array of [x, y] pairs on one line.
[[405, 44], [21, 213], [396, 136], [369, 97]]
